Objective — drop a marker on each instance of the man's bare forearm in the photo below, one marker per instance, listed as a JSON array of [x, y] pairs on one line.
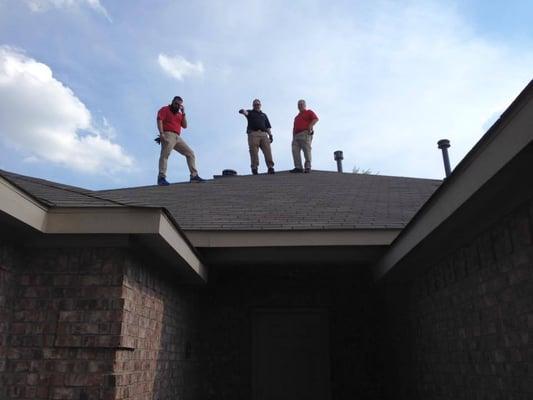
[[312, 123]]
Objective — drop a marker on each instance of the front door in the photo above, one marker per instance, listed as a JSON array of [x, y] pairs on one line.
[[290, 355]]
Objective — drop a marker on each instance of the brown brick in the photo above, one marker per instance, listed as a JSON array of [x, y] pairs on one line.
[[64, 394], [68, 341], [32, 379], [520, 229], [76, 379], [71, 316], [501, 242], [486, 250]]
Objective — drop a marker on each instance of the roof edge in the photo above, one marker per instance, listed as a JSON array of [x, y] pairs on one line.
[[21, 205], [273, 238], [499, 145], [142, 221]]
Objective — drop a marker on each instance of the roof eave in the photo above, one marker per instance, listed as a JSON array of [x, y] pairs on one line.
[[152, 224], [291, 238], [503, 141]]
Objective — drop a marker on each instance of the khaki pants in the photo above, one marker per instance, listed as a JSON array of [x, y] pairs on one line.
[[302, 141], [259, 140], [171, 141]]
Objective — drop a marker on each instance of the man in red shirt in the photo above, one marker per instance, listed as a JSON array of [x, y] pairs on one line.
[[302, 137], [170, 120]]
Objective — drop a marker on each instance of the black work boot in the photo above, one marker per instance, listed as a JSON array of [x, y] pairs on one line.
[[254, 171]]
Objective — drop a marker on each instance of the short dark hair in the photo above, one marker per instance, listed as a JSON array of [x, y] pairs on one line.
[[177, 98]]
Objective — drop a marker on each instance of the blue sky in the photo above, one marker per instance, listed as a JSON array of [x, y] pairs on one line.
[[82, 80]]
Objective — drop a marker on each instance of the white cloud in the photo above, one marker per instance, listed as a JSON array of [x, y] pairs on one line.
[[178, 67], [44, 5], [45, 121]]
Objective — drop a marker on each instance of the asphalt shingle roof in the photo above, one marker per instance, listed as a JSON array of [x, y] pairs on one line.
[[317, 201], [55, 194], [285, 201]]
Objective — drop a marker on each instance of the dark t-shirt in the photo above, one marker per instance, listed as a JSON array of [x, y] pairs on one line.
[[257, 121]]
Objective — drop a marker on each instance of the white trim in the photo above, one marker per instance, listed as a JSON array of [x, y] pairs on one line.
[[494, 153], [361, 237], [168, 232], [19, 205], [109, 220], [103, 220]]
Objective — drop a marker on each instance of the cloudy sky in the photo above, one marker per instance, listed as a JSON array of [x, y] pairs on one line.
[[82, 80]]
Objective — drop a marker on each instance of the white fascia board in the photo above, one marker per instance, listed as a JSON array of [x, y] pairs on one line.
[[476, 170], [110, 220], [356, 237], [20, 206], [168, 232]]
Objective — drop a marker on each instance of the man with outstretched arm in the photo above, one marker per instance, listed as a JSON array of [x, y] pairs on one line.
[[259, 136], [170, 120], [302, 137]]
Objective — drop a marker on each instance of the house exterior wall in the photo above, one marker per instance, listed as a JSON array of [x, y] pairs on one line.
[[462, 328], [64, 324], [8, 263], [346, 296], [92, 323], [108, 323], [160, 324]]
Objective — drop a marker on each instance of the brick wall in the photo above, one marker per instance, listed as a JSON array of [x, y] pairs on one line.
[[92, 324], [233, 294], [463, 328], [194, 343], [8, 262], [160, 331], [64, 324]]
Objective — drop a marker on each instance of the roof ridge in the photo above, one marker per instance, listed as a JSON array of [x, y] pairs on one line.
[[218, 179]]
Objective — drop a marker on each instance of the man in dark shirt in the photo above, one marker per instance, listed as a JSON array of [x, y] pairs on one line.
[[259, 136]]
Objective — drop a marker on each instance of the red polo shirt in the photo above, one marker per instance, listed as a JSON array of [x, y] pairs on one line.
[[171, 121], [302, 121]]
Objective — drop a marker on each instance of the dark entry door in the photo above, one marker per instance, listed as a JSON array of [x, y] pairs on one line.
[[290, 355]]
